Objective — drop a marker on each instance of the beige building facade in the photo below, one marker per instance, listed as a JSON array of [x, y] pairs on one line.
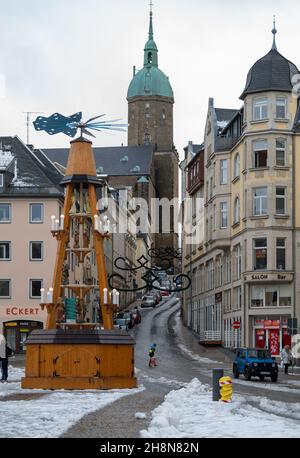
[[246, 275]]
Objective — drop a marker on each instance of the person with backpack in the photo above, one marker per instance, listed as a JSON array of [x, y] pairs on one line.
[[5, 352], [152, 359]]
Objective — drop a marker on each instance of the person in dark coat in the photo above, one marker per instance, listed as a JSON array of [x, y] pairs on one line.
[[5, 352], [152, 359]]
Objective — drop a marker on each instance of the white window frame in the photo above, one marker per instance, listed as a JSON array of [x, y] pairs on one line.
[[30, 287], [223, 215], [281, 197], [278, 104], [9, 212], [236, 210], [281, 150], [31, 205], [30, 251], [260, 103], [260, 200], [223, 171], [2, 242], [255, 249], [9, 282], [259, 149]]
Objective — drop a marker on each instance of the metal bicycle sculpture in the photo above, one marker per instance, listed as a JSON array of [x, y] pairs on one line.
[[151, 279]]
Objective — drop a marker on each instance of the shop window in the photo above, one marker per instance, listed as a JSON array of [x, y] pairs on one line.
[[271, 297], [36, 213], [260, 254], [35, 288], [5, 251], [5, 213], [280, 253], [257, 296], [260, 154], [285, 296], [280, 152], [5, 289]]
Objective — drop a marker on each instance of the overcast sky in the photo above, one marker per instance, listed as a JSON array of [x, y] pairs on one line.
[[77, 55]]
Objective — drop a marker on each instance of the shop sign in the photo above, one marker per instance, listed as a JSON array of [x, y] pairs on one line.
[[21, 311], [274, 342], [272, 324], [10, 325], [260, 277], [259, 322]]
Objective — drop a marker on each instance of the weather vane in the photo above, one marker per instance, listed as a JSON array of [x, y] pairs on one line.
[[69, 125]]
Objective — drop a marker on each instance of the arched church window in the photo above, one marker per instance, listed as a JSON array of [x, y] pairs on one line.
[[149, 57]]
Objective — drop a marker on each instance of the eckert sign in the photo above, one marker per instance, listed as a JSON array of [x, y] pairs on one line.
[[21, 311]]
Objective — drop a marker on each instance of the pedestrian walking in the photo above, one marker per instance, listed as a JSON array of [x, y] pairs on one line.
[[5, 352], [152, 359], [286, 358]]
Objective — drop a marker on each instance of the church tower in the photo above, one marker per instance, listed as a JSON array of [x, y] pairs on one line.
[[150, 118]]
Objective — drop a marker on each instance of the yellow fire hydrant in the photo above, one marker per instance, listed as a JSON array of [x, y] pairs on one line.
[[225, 384]]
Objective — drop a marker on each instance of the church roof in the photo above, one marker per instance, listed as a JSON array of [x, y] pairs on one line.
[[112, 161], [273, 72]]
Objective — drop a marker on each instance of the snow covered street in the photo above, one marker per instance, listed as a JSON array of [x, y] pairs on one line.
[[191, 413]]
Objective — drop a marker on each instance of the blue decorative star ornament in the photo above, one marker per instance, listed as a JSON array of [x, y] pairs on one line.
[[58, 123]]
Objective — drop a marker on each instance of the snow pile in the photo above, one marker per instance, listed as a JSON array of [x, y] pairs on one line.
[[140, 415], [200, 359], [50, 413], [191, 413]]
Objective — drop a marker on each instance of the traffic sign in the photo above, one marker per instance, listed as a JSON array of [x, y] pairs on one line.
[[236, 325]]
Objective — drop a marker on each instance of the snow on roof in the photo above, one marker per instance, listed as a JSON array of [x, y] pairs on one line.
[[6, 157], [222, 124]]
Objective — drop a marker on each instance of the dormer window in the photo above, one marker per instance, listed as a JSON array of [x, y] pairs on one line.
[[1, 180], [280, 107], [260, 109]]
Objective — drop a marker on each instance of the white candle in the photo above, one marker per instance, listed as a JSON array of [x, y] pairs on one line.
[[48, 298], [56, 224], [100, 227], [105, 295], [117, 298], [108, 226], [96, 222], [114, 296], [62, 219], [42, 295], [51, 295], [52, 223]]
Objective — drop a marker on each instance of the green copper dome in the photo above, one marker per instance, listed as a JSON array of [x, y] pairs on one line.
[[150, 80]]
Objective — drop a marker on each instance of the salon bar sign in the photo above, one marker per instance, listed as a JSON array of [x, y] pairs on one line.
[[268, 277]]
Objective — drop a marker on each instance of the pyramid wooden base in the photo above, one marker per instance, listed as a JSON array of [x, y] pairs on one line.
[[79, 360]]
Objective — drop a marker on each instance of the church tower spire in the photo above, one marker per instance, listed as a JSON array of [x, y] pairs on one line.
[[150, 51]]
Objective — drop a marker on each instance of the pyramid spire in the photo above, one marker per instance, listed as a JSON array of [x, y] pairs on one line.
[[150, 22]]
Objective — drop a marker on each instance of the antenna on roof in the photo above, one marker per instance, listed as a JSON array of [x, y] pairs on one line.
[[28, 114]]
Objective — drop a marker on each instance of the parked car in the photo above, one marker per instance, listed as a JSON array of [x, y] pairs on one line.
[[148, 301], [157, 296], [165, 293], [252, 362]]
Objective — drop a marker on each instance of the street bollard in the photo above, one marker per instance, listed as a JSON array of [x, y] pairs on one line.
[[225, 389], [217, 374]]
